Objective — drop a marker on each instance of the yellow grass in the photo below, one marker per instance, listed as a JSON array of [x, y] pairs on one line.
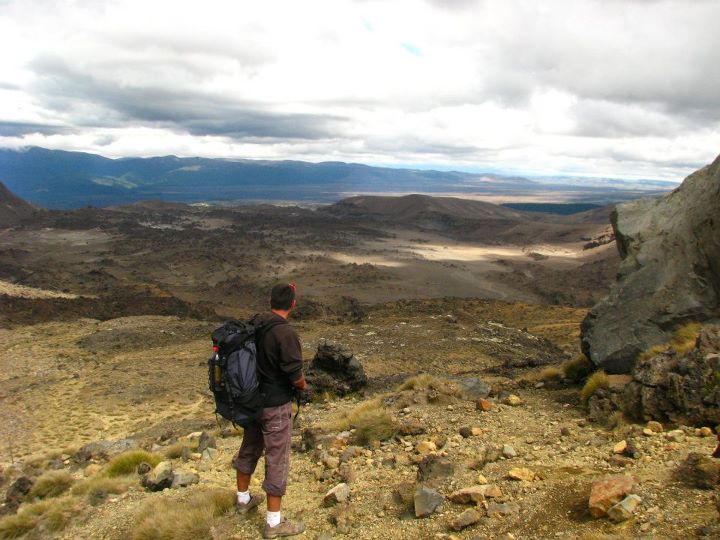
[[551, 373], [578, 368], [50, 515], [682, 342], [99, 487], [175, 451], [163, 519], [370, 420], [595, 382], [52, 484], [127, 462]]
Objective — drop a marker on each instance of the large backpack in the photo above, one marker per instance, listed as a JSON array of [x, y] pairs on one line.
[[232, 370]]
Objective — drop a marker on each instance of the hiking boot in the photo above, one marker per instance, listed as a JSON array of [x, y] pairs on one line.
[[285, 528], [243, 509]]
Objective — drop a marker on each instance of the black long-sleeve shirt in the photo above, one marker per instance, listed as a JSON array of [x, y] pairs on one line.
[[279, 360]]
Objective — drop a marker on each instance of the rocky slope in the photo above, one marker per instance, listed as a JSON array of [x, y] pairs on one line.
[[670, 273], [13, 209]]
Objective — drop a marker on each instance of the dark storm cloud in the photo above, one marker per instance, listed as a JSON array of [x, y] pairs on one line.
[[100, 103], [18, 129]]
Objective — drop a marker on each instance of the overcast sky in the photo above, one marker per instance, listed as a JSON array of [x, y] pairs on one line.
[[623, 88]]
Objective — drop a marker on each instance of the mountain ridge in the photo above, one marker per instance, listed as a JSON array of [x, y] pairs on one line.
[[64, 180]]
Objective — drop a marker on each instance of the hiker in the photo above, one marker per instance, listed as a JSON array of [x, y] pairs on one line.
[[280, 375]]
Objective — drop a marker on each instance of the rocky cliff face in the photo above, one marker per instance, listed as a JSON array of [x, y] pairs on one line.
[[670, 272]]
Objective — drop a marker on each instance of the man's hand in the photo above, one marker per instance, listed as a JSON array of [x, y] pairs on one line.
[[300, 384]]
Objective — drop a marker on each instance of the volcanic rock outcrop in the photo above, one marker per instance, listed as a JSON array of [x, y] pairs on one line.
[[336, 370], [670, 272], [684, 389]]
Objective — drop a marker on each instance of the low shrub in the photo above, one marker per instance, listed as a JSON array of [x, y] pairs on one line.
[[595, 382], [98, 488], [551, 373], [183, 520], [175, 451], [127, 462], [51, 484], [370, 420], [43, 516], [578, 368]]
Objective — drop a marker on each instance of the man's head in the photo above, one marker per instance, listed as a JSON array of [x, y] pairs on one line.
[[282, 297]]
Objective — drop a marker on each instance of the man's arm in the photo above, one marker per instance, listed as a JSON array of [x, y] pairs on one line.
[[291, 361]]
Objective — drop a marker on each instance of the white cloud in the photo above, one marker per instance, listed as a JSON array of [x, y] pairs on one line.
[[627, 88]]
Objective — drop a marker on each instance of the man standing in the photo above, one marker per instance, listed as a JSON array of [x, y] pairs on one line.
[[280, 372]]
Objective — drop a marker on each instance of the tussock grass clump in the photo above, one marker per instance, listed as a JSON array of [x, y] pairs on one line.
[[51, 516], [127, 462], [595, 382], [425, 380], [175, 451], [324, 396], [51, 484], [682, 342], [183, 520], [370, 420], [551, 373], [437, 388], [98, 488], [578, 368]]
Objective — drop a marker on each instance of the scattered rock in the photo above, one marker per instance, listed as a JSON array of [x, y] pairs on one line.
[[475, 494], [465, 519], [521, 474], [620, 447], [513, 400], [655, 427], [700, 471], [434, 467], [206, 441], [483, 405], [103, 450], [17, 492], [209, 454], [344, 517], [350, 452], [161, 477], [609, 491], [142, 468], [509, 452], [183, 479], [502, 509], [705, 432], [411, 427], [425, 447], [474, 387], [426, 501], [466, 432], [404, 493], [624, 510], [338, 494]]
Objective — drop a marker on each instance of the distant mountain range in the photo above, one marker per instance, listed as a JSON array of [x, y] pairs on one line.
[[63, 180]]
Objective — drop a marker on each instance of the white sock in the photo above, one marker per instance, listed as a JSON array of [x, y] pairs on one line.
[[243, 497], [273, 519]]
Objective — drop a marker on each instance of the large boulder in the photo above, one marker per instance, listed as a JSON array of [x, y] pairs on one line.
[[335, 369], [670, 272]]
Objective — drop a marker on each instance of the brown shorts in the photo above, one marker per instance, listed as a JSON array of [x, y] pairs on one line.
[[271, 434]]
